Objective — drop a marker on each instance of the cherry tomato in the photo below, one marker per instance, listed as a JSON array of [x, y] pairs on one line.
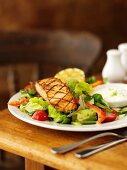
[[40, 115]]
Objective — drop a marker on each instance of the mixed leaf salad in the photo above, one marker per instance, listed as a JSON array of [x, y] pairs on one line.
[[92, 108]]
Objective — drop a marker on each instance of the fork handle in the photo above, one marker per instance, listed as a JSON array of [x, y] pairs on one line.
[[90, 151], [69, 147]]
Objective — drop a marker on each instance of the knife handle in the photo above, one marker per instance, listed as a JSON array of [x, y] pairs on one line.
[[90, 151]]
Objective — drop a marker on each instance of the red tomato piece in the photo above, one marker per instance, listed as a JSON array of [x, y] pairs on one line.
[[111, 116], [40, 115]]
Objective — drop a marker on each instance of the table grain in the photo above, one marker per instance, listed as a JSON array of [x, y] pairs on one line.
[[34, 144]]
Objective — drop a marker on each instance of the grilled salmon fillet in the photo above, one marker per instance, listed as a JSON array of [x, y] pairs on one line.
[[56, 93]]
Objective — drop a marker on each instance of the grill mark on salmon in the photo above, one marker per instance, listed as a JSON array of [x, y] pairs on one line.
[[56, 93]]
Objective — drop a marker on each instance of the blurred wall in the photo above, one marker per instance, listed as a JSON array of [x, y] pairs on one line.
[[105, 18], [94, 15]]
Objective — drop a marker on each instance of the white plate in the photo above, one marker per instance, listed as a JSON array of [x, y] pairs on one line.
[[52, 125]]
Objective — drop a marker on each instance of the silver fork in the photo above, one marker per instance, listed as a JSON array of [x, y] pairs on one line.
[[69, 147], [90, 151]]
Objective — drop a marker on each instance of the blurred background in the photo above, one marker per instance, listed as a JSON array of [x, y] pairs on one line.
[[22, 23], [106, 19]]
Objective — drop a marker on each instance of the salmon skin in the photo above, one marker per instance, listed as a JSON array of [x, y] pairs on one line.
[[56, 93]]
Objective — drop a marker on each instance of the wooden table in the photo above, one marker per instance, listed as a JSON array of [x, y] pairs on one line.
[[34, 144]]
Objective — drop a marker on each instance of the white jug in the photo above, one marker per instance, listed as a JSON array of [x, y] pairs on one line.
[[113, 70], [123, 50]]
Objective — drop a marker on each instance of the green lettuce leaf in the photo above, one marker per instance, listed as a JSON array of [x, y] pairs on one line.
[[24, 93], [83, 88], [99, 101], [57, 116], [71, 84], [40, 102], [78, 88], [33, 105], [91, 80], [86, 116]]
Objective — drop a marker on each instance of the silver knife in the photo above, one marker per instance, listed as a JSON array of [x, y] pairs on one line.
[[90, 151]]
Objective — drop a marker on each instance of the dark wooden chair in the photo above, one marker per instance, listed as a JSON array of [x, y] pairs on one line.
[[28, 56]]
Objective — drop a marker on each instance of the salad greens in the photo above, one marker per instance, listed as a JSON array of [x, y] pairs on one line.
[[91, 80], [57, 116], [34, 104], [99, 101], [85, 116], [78, 88], [24, 93], [91, 107], [122, 110], [37, 103]]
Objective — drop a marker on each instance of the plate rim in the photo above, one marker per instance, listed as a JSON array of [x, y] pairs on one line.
[[65, 127]]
